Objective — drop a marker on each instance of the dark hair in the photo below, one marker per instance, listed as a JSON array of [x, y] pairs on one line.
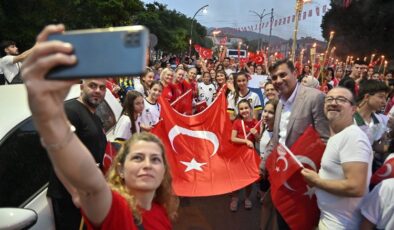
[[286, 61], [142, 81], [274, 103], [243, 101], [236, 89], [360, 62], [371, 87], [128, 107], [6, 44]]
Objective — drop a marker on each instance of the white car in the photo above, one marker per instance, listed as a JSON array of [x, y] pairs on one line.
[[24, 164]]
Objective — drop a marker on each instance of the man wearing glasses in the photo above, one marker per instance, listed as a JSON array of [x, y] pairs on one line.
[[345, 172]]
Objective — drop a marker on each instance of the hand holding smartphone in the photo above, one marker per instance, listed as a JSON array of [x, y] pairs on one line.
[[102, 53]]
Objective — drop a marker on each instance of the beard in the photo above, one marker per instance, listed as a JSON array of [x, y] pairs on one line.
[[91, 102]]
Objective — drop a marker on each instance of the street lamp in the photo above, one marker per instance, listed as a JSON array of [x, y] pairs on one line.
[[261, 16], [204, 9]]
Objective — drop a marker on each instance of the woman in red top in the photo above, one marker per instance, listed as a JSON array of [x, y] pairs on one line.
[[166, 78], [138, 189], [245, 131]]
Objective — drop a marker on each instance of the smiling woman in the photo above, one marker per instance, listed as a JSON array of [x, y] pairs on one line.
[[139, 181]]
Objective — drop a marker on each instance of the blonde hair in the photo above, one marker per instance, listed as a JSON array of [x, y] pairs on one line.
[[163, 195], [164, 72]]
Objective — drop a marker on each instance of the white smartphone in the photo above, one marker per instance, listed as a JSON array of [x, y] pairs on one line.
[[101, 53]]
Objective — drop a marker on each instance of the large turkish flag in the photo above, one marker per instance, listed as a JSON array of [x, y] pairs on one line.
[[293, 198], [202, 158]]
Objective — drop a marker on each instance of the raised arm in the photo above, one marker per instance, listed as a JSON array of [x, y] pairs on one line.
[[70, 158]]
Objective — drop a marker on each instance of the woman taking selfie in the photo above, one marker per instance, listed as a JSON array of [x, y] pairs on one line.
[[138, 186]]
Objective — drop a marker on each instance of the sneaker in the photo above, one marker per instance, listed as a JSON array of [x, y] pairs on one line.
[[234, 204], [248, 204]]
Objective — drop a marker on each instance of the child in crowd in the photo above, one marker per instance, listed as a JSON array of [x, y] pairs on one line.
[[245, 131], [151, 113], [130, 121], [266, 127], [206, 89], [145, 81], [241, 91]]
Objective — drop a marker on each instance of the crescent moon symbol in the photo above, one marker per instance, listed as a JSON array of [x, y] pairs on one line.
[[284, 160], [206, 135], [388, 171]]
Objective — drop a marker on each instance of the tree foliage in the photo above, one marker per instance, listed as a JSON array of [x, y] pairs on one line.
[[365, 27], [21, 20]]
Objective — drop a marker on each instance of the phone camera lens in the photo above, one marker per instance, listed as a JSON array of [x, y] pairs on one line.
[[132, 39]]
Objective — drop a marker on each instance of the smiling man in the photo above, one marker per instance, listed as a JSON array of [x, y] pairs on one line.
[[88, 127], [299, 107], [343, 178]]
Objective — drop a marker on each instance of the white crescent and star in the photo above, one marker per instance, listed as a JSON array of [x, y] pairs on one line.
[[307, 161], [205, 135]]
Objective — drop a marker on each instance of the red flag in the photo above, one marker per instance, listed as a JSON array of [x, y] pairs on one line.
[[197, 47], [203, 160], [184, 103], [385, 171], [281, 166], [205, 53], [294, 199], [111, 149], [259, 59]]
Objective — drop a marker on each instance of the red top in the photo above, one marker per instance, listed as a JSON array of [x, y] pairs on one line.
[[192, 86], [120, 217], [237, 126], [168, 93]]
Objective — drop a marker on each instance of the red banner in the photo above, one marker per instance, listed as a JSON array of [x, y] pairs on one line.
[[203, 160]]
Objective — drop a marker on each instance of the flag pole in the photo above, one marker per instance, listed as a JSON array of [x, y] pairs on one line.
[[292, 155], [183, 95]]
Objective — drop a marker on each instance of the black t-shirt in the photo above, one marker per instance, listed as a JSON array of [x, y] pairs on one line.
[[89, 129]]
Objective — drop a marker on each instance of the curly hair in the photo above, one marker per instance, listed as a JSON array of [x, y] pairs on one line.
[[164, 194]]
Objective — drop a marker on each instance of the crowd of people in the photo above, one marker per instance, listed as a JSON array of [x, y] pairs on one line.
[[351, 109]]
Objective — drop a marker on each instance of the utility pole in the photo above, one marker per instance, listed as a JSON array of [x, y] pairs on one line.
[[261, 16]]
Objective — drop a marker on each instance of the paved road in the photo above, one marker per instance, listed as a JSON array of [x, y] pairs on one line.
[[211, 213]]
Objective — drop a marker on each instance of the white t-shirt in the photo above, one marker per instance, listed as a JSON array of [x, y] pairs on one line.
[[252, 97], [378, 205], [349, 145], [151, 113], [375, 129], [206, 92], [9, 69], [138, 86], [123, 127]]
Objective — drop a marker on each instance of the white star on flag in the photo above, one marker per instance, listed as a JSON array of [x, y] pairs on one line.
[[193, 165], [310, 191]]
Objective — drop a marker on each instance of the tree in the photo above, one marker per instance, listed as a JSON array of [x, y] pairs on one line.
[[22, 20], [365, 27]]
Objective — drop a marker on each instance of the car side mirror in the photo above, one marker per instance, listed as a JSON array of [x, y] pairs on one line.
[[17, 218]]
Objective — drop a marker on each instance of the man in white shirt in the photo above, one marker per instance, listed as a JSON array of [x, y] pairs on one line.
[[377, 207], [345, 172], [11, 63]]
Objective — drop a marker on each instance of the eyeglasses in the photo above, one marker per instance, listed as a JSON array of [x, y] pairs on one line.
[[338, 100]]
